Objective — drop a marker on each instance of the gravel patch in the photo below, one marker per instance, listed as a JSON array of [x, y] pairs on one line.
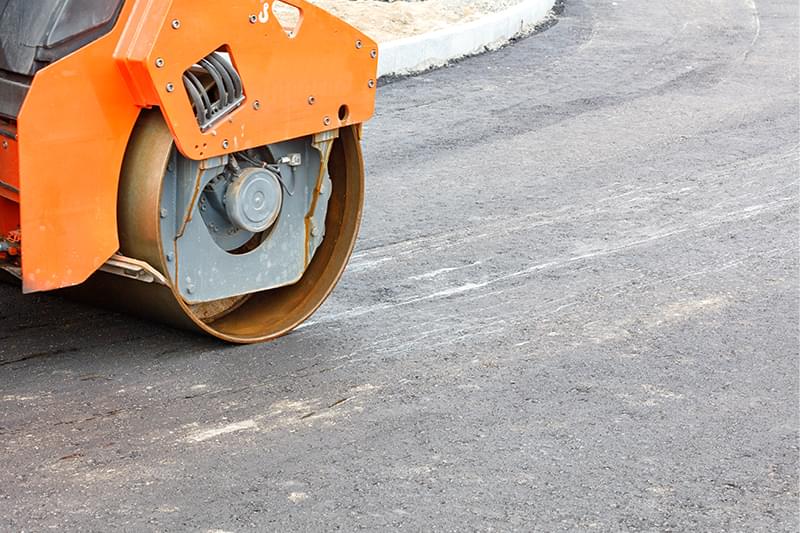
[[387, 21]]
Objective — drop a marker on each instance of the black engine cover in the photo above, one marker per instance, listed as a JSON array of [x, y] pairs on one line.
[[34, 33]]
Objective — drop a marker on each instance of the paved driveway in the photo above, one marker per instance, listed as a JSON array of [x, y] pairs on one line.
[[574, 305]]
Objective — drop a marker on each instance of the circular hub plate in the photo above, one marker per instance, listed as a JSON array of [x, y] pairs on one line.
[[253, 200]]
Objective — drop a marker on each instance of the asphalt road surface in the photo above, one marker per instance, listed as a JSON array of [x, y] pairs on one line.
[[574, 306]]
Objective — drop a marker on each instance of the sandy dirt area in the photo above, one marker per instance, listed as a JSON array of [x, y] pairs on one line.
[[386, 21]]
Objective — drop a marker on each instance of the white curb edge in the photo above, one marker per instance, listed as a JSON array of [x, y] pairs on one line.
[[435, 49]]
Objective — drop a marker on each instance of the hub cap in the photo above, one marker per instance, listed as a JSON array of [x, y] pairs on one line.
[[253, 200]]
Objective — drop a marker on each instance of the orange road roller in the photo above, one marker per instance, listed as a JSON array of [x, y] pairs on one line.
[[194, 161]]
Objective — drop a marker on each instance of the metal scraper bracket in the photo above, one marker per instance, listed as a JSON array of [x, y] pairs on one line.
[[127, 267]]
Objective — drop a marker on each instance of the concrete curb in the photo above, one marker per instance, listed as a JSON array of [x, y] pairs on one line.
[[435, 49]]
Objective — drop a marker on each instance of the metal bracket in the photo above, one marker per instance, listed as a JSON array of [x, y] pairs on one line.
[[203, 271], [8, 187], [120, 265], [13, 270]]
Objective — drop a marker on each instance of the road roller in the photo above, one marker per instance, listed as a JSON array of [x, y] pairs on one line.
[[197, 162]]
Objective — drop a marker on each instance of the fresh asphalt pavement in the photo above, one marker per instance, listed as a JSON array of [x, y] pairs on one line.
[[573, 306]]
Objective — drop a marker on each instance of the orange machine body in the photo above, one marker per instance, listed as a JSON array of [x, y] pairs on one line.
[[62, 159]]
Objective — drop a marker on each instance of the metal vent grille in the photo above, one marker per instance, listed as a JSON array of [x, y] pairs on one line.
[[214, 87]]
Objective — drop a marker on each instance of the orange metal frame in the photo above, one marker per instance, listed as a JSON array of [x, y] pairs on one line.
[[76, 120], [9, 176]]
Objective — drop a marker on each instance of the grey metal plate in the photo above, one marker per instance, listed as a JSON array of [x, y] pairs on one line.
[[205, 272]]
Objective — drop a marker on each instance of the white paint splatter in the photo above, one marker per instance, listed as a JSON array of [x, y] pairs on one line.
[[15, 398], [757, 24], [200, 436], [435, 273], [366, 265]]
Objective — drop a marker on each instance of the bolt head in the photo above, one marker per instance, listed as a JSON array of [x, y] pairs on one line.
[[359, 44], [257, 105], [5, 145], [160, 62], [253, 19], [170, 87], [225, 144], [371, 84], [311, 100], [326, 121], [176, 24], [373, 53]]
